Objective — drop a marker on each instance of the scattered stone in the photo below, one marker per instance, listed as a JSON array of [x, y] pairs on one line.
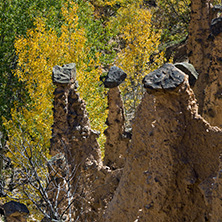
[[188, 69], [114, 77], [15, 211], [216, 26], [65, 74], [166, 77]]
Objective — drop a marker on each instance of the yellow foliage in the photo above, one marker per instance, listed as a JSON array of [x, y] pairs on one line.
[[38, 53], [141, 43]]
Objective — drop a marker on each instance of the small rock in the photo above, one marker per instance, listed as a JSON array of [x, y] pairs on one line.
[[15, 211], [149, 206], [114, 77], [188, 69]]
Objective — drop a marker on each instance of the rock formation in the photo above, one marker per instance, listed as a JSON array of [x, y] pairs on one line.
[[114, 77], [74, 147], [188, 69], [199, 45], [173, 159], [116, 138], [170, 170], [71, 129]]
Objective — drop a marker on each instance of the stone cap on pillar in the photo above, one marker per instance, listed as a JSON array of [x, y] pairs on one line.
[[64, 74], [114, 77], [166, 77]]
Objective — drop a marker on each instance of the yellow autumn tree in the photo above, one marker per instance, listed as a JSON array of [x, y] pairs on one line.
[[30, 126], [138, 42], [37, 54], [140, 54]]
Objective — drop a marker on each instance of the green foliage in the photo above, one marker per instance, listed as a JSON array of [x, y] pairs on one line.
[[172, 17], [16, 17], [99, 35], [141, 43]]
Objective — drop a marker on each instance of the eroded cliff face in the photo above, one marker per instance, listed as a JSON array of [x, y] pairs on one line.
[[212, 110], [171, 166], [199, 45], [71, 129], [205, 53], [173, 158]]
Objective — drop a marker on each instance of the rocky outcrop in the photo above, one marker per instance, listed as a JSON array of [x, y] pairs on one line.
[[188, 69], [173, 159], [71, 129], [168, 171], [114, 77], [116, 141]]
